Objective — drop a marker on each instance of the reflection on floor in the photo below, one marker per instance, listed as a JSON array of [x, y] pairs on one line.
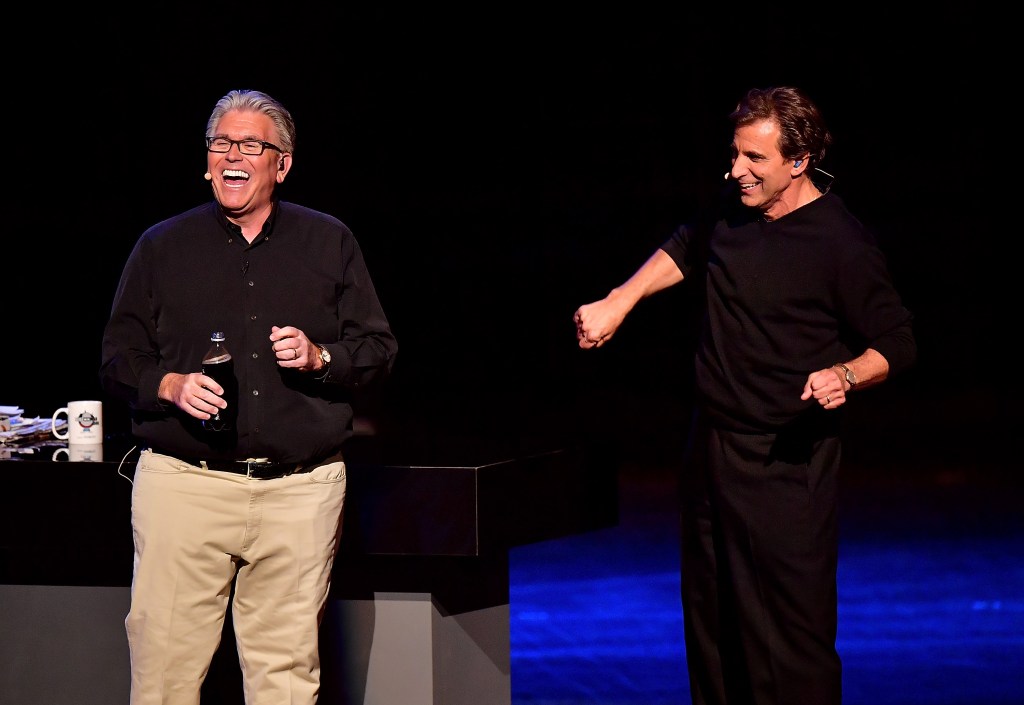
[[931, 591]]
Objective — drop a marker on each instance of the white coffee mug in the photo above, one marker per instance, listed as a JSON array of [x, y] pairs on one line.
[[85, 422], [80, 453]]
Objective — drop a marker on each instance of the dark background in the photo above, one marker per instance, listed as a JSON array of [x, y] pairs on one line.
[[501, 167]]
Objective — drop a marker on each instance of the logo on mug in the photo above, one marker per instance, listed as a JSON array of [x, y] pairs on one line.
[[86, 420]]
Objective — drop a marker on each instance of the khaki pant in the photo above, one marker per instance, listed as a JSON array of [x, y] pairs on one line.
[[198, 531]]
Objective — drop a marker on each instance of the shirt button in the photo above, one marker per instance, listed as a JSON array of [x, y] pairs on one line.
[[251, 284], [255, 392], [255, 355]]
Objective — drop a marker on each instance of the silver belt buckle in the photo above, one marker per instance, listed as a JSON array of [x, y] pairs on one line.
[[251, 463]]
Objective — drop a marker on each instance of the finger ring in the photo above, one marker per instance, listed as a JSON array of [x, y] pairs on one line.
[[295, 353], [828, 399]]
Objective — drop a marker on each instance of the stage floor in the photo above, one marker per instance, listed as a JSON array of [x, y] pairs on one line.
[[931, 589]]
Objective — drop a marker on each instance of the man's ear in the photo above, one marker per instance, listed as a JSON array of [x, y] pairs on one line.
[[284, 164]]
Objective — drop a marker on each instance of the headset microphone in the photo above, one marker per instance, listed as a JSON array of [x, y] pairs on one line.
[[726, 177], [208, 176]]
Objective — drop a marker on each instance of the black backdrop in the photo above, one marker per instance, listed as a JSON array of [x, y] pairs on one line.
[[499, 170]]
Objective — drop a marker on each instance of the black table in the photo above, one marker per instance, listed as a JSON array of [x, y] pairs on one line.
[[418, 611]]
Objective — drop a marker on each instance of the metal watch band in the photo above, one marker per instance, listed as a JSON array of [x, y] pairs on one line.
[[847, 374]]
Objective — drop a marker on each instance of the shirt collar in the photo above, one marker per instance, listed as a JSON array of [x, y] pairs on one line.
[[236, 231]]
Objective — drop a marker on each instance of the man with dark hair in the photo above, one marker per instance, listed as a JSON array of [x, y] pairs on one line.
[[800, 312]]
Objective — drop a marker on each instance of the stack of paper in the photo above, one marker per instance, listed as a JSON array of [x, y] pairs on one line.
[[26, 429]]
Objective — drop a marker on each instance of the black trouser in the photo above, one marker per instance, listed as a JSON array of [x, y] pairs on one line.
[[759, 558]]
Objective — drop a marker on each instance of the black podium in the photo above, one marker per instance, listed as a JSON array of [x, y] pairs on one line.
[[419, 606]]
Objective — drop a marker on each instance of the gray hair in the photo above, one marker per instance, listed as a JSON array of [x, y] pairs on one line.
[[256, 101]]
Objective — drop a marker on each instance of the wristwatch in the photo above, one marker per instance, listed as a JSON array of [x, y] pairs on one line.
[[325, 358], [847, 374]]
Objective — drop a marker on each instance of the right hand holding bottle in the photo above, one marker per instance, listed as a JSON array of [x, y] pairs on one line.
[[194, 393]]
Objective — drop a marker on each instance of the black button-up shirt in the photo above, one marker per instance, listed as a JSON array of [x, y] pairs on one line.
[[194, 274]]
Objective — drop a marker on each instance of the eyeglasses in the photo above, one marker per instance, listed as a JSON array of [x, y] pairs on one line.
[[252, 148]]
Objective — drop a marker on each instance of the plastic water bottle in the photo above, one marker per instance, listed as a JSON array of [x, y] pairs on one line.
[[218, 364]]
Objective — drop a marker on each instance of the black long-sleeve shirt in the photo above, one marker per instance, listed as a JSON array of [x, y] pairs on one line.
[[194, 274], [785, 298]]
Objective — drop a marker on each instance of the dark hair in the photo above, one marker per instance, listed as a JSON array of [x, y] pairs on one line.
[[257, 102], [801, 128]]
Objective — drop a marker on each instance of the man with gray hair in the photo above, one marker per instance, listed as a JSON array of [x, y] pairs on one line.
[[252, 508]]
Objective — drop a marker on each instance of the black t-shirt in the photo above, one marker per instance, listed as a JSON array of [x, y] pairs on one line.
[[785, 298]]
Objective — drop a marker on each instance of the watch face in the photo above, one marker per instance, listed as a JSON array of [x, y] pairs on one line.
[[325, 356], [847, 373]]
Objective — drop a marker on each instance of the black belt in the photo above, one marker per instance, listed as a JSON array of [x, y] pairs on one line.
[[257, 469]]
